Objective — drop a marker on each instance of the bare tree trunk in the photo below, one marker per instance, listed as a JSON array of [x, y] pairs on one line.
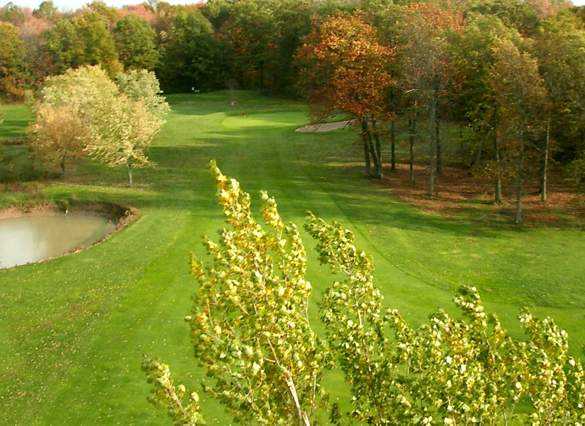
[[479, 153], [432, 144], [518, 219], [378, 150], [63, 160], [393, 145], [544, 170], [411, 136], [368, 168], [378, 157], [439, 146], [373, 152], [302, 416], [498, 182], [262, 76], [130, 180]]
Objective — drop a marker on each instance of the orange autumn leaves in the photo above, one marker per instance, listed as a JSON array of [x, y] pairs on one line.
[[345, 68]]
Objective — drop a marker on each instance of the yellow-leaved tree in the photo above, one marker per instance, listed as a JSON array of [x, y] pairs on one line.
[[252, 335], [114, 124], [58, 135]]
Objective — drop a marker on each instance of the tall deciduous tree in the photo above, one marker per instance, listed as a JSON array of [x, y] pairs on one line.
[[190, 54], [560, 48], [424, 44], [12, 13], [12, 62], [82, 40], [522, 98], [109, 15], [346, 69], [136, 43], [46, 10], [472, 53], [248, 33]]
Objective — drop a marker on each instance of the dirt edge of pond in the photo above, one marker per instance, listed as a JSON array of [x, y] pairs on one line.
[[121, 216]]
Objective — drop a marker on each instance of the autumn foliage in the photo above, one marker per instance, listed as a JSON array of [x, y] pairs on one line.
[[264, 362], [347, 67]]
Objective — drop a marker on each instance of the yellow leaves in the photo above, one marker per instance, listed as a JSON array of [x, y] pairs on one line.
[[251, 332], [255, 299], [58, 133], [185, 411], [196, 268], [461, 369], [115, 126], [255, 369]]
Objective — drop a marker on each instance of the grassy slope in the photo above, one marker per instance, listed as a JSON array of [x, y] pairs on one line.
[[73, 330]]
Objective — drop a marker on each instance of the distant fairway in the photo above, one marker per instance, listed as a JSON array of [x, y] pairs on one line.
[[73, 330]]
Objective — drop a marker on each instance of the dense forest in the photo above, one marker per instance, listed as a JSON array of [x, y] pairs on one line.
[[510, 74]]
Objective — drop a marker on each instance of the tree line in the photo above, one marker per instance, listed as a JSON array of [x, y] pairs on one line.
[[510, 72]]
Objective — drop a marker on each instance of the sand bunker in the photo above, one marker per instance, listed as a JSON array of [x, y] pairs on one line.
[[324, 127]]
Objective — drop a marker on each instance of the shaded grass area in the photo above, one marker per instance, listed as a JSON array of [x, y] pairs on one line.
[[73, 330], [468, 191]]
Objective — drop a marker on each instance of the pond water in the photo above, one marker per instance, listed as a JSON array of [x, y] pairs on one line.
[[29, 239]]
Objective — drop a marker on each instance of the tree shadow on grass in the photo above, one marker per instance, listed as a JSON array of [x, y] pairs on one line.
[[13, 128]]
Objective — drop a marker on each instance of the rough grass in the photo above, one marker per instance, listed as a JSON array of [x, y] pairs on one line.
[[73, 330]]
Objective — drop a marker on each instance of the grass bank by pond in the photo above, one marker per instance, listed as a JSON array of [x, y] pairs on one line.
[[73, 330]]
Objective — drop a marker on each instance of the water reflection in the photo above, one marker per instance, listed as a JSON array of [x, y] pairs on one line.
[[32, 238]]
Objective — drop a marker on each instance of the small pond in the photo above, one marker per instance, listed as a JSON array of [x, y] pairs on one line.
[[27, 239]]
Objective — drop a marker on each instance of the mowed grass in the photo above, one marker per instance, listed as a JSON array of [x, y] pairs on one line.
[[73, 330]]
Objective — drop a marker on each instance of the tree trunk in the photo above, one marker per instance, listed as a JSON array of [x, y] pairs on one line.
[[378, 157], [392, 145], [378, 150], [130, 181], [518, 219], [372, 152], [411, 136], [368, 169], [432, 144], [439, 146], [302, 416], [63, 159], [544, 170], [498, 181], [261, 76], [478, 154]]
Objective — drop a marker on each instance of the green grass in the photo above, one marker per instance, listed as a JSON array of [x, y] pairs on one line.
[[73, 330]]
